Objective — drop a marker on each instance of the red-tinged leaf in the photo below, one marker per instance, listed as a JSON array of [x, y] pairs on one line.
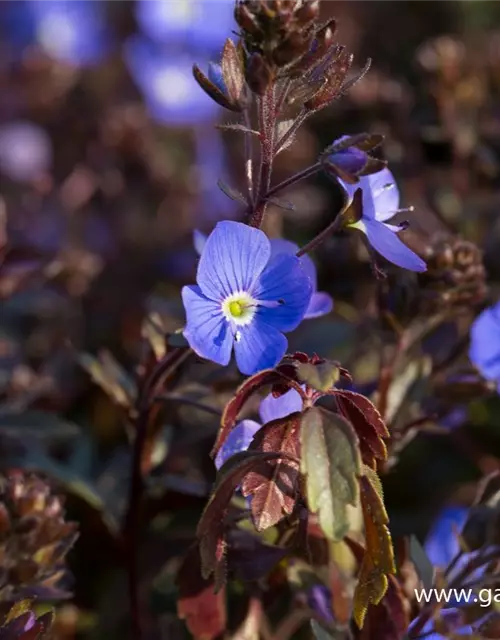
[[235, 405], [378, 559], [213, 91], [211, 527], [232, 71], [203, 610], [367, 422], [335, 77], [389, 619], [274, 486], [331, 462]]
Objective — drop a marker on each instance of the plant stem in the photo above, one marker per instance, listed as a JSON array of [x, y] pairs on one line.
[[332, 228], [267, 128], [297, 177], [132, 521], [249, 157]]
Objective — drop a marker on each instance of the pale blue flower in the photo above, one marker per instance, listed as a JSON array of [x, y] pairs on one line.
[[321, 302], [484, 351], [380, 202], [245, 299]]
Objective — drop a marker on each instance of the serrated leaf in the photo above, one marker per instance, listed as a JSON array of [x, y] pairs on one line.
[[321, 376], [378, 560], [231, 193], [367, 422], [390, 617], [18, 609], [203, 610], [235, 405], [274, 488], [331, 462], [211, 527]]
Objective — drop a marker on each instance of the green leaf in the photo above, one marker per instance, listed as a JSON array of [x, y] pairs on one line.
[[321, 376], [331, 463]]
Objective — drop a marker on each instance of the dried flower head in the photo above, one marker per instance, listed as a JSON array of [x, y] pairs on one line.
[[34, 539], [456, 276]]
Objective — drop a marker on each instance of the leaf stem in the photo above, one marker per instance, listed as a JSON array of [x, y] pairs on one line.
[[249, 157]]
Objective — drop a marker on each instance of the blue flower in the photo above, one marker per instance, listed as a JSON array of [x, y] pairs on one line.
[[270, 409], [380, 202], [451, 619], [196, 23], [244, 299], [70, 31], [166, 82], [321, 302], [441, 544], [320, 601], [484, 351]]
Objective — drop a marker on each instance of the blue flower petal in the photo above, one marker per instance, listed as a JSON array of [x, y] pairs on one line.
[[484, 351], [238, 440], [283, 281], [207, 331], [387, 243], [274, 408], [281, 246], [320, 304], [199, 240], [259, 346], [233, 258], [215, 76], [380, 195], [428, 634], [441, 544], [385, 194]]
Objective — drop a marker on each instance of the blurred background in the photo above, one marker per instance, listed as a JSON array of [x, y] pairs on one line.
[[109, 159]]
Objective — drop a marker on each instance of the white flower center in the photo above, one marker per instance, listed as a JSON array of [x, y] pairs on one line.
[[239, 308]]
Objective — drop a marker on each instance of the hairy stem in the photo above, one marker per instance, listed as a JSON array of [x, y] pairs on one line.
[[267, 128], [249, 158]]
